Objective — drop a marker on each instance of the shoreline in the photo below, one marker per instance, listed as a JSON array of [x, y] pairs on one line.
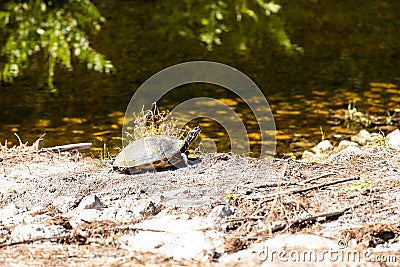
[[69, 209]]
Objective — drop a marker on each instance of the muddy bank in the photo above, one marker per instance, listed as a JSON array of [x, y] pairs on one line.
[[65, 209]]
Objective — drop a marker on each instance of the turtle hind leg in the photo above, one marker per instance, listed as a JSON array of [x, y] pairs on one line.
[[129, 170]]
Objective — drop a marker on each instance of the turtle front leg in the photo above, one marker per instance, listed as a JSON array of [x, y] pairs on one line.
[[185, 159]]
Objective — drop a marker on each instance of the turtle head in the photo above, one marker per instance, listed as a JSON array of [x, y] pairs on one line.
[[191, 136]]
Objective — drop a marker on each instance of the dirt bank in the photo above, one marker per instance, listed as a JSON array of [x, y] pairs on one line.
[[63, 209]]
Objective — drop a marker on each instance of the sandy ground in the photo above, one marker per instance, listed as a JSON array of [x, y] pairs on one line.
[[238, 203]]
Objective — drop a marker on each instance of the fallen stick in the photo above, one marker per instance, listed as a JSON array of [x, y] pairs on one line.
[[326, 215], [284, 183], [310, 218], [305, 189], [315, 178], [27, 241], [66, 147], [71, 236]]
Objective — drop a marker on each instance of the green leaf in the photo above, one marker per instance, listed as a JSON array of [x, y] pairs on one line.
[[249, 12]]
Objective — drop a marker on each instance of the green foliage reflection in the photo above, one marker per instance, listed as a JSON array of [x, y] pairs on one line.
[[58, 30], [236, 17]]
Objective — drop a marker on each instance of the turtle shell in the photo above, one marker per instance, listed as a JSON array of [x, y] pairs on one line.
[[149, 153]]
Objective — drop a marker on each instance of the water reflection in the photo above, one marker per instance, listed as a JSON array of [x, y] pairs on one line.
[[350, 53]]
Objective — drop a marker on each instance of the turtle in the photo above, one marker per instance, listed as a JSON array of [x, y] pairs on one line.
[[158, 152]]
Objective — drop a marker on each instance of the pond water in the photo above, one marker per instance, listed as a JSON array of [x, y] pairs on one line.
[[351, 54]]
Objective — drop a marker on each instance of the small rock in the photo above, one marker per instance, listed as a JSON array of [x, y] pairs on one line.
[[363, 137], [345, 143], [344, 156], [219, 213], [393, 139], [151, 209], [91, 202], [322, 147], [309, 156], [33, 231]]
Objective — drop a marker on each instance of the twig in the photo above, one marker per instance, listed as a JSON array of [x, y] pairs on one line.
[[314, 178], [326, 215], [274, 184], [388, 208], [282, 183], [244, 218], [8, 243], [66, 147], [305, 189], [71, 236]]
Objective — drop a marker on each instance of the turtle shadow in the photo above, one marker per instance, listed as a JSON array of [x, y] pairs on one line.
[[136, 170]]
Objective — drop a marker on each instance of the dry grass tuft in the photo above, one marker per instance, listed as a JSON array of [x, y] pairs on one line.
[[155, 122], [22, 148]]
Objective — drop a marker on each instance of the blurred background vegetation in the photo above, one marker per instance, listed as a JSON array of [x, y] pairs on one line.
[[310, 58]]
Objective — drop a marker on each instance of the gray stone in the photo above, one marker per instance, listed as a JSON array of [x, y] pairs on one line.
[[91, 202], [344, 156], [219, 214]]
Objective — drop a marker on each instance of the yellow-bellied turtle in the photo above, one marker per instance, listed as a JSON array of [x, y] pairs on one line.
[[154, 153]]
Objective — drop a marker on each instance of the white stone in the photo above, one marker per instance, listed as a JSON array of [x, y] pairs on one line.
[[322, 147], [393, 139], [33, 231], [105, 214], [363, 137], [345, 143], [308, 156], [173, 237]]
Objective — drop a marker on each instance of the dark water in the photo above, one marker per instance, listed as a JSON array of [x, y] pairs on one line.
[[351, 53]]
